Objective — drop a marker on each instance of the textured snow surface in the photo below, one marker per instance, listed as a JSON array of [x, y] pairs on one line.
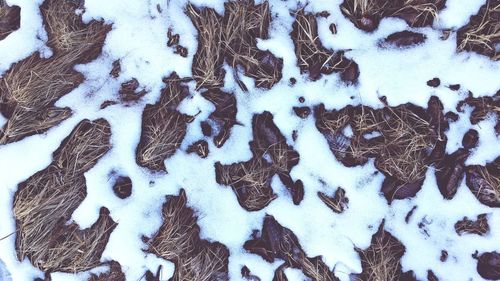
[[138, 38]]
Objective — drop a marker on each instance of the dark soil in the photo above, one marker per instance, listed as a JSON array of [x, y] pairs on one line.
[[10, 19], [404, 39]]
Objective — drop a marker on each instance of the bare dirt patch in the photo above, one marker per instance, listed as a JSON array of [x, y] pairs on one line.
[[10, 19]]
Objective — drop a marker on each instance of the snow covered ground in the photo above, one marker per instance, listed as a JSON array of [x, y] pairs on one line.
[[138, 39]]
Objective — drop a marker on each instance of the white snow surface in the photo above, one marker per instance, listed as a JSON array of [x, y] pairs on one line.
[[138, 38]]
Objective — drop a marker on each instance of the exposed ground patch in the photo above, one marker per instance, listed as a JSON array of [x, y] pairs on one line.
[[10, 19], [45, 202], [30, 88]]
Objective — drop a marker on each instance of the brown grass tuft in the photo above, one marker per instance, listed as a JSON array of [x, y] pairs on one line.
[[402, 149], [338, 203], [208, 60], [366, 14], [178, 241], [482, 33], [312, 57], [251, 180], [381, 261], [484, 182], [45, 202], [10, 19], [480, 226], [30, 88], [233, 38], [163, 128]]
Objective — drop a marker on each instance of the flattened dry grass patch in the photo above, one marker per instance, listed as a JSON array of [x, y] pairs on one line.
[[178, 241], [224, 116], [10, 19], [278, 242], [30, 88], [209, 58], [45, 202], [366, 14], [251, 180], [480, 226], [163, 127], [401, 139], [381, 261], [233, 37], [484, 182], [482, 33], [315, 59]]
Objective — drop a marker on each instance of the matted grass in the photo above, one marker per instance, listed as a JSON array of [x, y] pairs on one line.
[[381, 261], [178, 241], [30, 88], [482, 33], [163, 128], [45, 202], [366, 14], [312, 57]]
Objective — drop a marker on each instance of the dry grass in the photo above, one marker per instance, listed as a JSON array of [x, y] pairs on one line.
[[32, 86], [482, 33], [45, 202], [115, 273], [479, 226], [338, 203], [233, 37], [163, 128], [381, 261], [251, 181], [366, 14], [276, 241], [484, 182], [208, 60], [243, 23], [312, 56], [178, 241], [402, 148], [10, 19]]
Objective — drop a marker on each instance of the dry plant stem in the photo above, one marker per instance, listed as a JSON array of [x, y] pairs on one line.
[[45, 202], [32, 86]]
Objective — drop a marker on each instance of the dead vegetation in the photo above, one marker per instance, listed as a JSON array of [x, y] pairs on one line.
[[482, 33], [178, 241], [115, 273], [366, 14], [337, 203], [315, 59], [381, 261], [30, 88], [278, 242], [224, 117], [251, 180], [233, 38], [403, 140], [479, 226], [484, 182], [45, 202], [10, 19], [163, 127]]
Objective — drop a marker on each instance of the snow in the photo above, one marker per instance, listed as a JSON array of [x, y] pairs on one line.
[[138, 39]]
